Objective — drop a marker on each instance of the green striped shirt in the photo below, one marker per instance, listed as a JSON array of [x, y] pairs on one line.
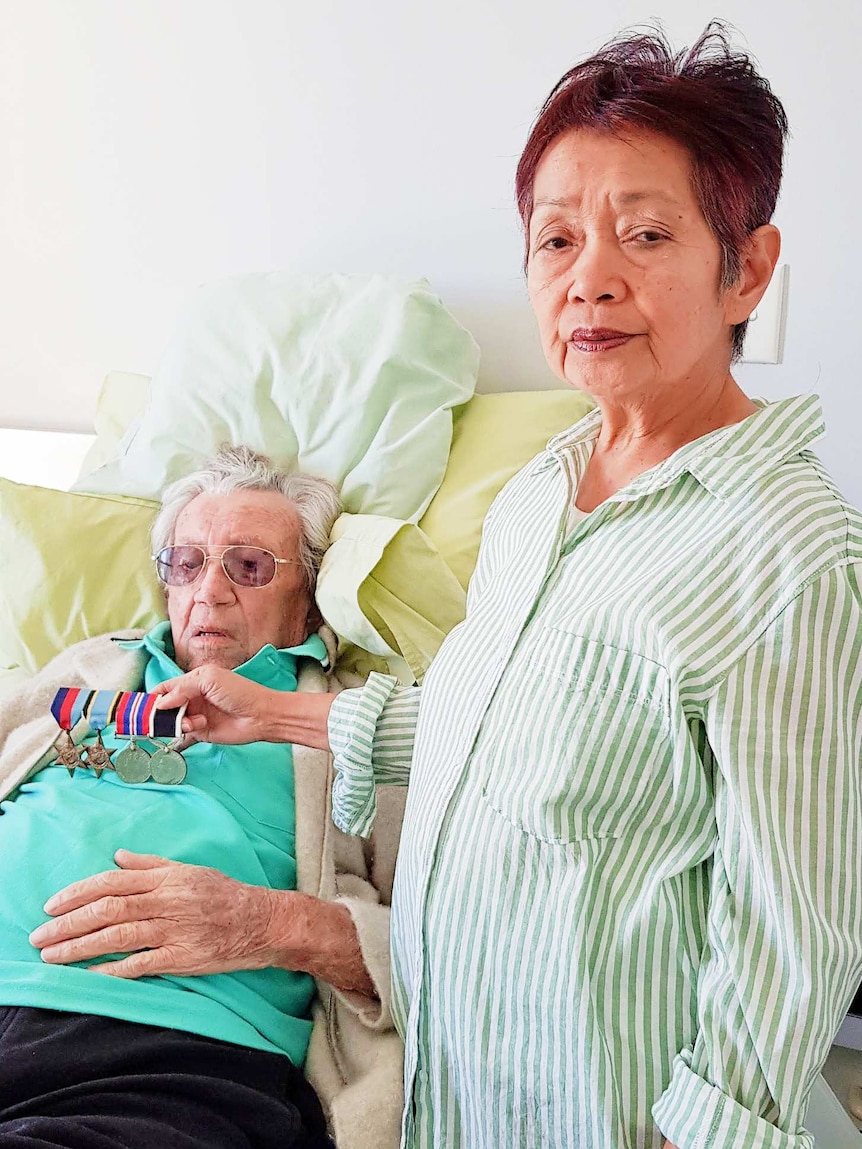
[[628, 904]]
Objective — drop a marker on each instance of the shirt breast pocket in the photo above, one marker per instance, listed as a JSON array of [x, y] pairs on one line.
[[589, 755]]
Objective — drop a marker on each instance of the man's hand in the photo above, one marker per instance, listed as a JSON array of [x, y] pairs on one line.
[[169, 917], [226, 708], [174, 918]]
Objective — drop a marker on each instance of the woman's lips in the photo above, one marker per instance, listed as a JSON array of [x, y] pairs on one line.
[[593, 339]]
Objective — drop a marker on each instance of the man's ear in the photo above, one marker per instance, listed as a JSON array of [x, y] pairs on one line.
[[759, 257], [314, 619]]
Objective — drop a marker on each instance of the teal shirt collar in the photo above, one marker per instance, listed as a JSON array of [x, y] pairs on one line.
[[266, 667]]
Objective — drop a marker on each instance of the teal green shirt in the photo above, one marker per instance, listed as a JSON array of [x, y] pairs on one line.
[[234, 812]]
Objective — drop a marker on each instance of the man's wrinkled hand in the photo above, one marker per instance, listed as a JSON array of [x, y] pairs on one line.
[[168, 917]]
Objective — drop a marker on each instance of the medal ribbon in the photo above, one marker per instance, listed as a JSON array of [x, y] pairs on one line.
[[69, 705], [133, 711], [100, 708]]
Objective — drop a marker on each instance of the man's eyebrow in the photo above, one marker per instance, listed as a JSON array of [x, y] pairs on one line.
[[239, 541]]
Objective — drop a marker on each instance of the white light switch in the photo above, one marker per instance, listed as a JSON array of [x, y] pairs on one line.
[[764, 338]]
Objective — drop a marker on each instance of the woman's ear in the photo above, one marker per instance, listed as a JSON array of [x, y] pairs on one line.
[[759, 257]]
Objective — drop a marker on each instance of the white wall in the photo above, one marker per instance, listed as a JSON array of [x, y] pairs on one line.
[[148, 146]]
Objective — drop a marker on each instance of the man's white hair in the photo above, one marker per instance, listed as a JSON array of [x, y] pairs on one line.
[[241, 469]]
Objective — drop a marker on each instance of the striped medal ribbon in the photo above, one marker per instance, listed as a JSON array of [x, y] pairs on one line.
[[134, 716]]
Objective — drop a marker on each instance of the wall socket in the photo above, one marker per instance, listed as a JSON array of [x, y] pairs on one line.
[[764, 339]]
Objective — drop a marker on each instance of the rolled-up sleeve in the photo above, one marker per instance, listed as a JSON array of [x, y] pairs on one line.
[[371, 732], [783, 948]]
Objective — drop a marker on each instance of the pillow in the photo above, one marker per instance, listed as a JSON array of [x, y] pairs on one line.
[[122, 399], [397, 589], [494, 437], [385, 589], [351, 377], [73, 566]]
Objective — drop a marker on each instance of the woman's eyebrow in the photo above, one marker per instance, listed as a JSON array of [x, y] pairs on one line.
[[629, 199], [624, 199], [565, 201]]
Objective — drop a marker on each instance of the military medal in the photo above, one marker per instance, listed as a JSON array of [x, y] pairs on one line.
[[67, 753], [168, 766], [97, 756], [98, 713], [67, 709], [133, 763], [135, 715]]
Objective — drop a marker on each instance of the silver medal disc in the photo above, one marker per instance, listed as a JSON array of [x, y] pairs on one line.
[[168, 767], [133, 765]]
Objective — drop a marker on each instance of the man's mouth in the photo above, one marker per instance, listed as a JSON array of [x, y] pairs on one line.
[[206, 633], [597, 339]]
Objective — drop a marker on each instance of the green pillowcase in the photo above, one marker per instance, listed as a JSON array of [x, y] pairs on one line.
[[493, 438], [353, 377], [73, 566], [123, 399], [411, 580]]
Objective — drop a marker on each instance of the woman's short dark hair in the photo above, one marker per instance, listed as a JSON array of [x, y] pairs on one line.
[[709, 98]]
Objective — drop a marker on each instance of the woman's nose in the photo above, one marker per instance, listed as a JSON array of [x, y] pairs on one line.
[[596, 273]]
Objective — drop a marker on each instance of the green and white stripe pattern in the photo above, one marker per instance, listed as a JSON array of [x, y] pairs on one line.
[[628, 904]]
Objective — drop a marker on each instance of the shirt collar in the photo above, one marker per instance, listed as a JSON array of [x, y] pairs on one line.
[[158, 643], [726, 461]]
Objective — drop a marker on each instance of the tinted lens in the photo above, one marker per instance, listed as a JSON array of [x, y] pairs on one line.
[[179, 566], [249, 566]]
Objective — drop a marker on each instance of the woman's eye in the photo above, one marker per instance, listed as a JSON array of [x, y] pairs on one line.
[[553, 243], [647, 238]]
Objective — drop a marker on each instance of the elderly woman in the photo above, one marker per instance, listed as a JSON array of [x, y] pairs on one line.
[[624, 910]]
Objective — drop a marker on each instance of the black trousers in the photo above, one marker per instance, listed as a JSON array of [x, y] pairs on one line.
[[77, 1081]]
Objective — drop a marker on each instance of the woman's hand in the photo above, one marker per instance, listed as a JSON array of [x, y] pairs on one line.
[[221, 706], [226, 708], [169, 917]]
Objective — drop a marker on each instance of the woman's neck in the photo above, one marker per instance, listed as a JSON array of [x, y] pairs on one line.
[[636, 437]]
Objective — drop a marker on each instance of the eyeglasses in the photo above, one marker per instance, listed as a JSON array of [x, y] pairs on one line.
[[245, 566]]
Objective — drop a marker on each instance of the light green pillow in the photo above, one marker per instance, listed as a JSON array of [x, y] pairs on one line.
[[122, 399], [353, 377], [384, 588], [73, 566], [494, 437], [411, 580]]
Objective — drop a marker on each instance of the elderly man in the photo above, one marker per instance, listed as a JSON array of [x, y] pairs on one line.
[[167, 999]]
